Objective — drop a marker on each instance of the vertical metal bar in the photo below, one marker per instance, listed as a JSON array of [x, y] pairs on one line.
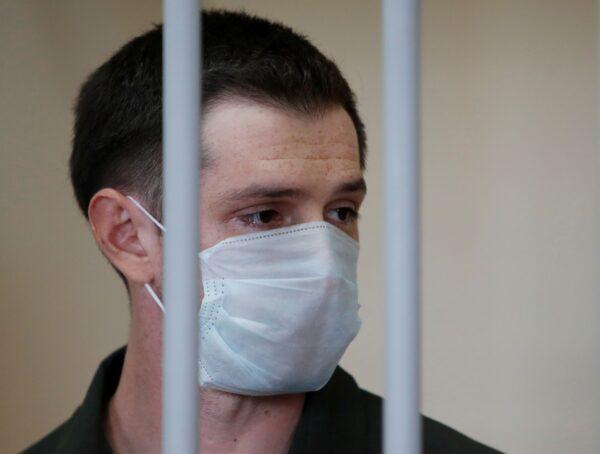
[[401, 29], [598, 215], [181, 142]]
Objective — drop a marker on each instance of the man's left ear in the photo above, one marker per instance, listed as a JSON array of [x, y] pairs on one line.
[[129, 240]]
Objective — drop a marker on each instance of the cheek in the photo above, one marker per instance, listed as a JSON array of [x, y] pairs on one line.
[[211, 226], [211, 230], [352, 230]]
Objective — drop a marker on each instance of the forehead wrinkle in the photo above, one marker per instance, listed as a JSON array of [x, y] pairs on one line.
[[331, 152], [306, 168], [278, 128], [277, 139], [307, 158], [240, 137], [287, 152]]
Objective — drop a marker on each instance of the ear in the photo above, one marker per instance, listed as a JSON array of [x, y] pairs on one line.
[[129, 240]]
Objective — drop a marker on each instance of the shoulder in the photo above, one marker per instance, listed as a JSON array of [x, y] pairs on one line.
[[437, 438], [83, 431], [51, 442]]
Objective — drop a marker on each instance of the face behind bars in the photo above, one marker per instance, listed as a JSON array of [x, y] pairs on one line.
[[267, 168]]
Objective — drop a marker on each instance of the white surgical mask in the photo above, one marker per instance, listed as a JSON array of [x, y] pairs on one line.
[[279, 309]]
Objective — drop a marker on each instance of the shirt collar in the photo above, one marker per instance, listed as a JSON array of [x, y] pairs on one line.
[[327, 414]]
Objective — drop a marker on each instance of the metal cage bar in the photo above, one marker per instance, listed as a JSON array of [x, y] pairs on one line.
[[181, 119], [401, 29], [181, 128], [598, 208]]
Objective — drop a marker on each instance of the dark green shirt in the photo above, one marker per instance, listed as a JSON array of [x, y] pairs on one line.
[[340, 418]]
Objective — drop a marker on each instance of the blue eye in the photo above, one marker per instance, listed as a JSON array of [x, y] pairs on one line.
[[344, 215]]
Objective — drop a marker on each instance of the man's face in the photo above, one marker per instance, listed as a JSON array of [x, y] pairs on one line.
[[270, 168], [267, 168]]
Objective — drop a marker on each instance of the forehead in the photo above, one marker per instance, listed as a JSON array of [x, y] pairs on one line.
[[243, 136]]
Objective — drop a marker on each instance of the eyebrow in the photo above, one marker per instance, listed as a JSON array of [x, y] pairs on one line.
[[256, 191], [358, 185]]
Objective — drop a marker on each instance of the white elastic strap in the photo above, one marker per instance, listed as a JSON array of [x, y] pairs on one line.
[[159, 225], [152, 218], [155, 297]]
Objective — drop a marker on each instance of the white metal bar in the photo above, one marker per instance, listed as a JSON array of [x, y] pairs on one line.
[[181, 124], [598, 212], [401, 29]]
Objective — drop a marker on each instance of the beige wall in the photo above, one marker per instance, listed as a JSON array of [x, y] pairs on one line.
[[509, 219]]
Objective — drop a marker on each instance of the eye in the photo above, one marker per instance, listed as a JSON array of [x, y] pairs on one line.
[[262, 218], [344, 215]]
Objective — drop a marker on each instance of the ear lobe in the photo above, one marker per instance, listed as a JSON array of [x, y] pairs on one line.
[[129, 241]]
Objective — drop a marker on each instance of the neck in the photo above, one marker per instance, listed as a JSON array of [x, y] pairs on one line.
[[229, 423], [247, 424]]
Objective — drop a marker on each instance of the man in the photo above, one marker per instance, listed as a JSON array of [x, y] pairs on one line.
[[282, 184]]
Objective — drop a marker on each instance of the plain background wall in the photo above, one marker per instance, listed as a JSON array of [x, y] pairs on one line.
[[509, 219]]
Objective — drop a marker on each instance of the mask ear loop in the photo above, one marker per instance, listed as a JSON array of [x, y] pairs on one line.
[[160, 226], [152, 218], [155, 297]]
